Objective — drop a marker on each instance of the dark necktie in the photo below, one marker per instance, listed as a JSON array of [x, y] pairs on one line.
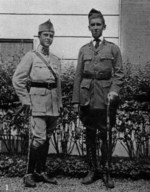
[[45, 51], [97, 43]]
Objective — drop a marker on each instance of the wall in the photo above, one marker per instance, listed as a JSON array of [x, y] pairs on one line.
[[20, 19], [135, 30]]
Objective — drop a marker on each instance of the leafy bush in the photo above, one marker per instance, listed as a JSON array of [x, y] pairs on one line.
[[136, 82], [133, 120], [75, 166]]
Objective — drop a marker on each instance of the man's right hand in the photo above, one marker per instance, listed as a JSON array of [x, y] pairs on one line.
[[76, 108], [26, 109]]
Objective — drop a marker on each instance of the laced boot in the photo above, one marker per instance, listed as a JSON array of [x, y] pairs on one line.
[[109, 183], [29, 181], [47, 179], [90, 178]]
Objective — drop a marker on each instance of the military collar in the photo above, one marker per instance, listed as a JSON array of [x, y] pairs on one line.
[[43, 50]]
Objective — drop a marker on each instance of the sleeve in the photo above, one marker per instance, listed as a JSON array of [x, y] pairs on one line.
[[78, 78], [21, 77], [118, 74]]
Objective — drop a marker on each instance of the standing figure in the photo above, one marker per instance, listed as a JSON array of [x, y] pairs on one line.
[[98, 79], [42, 69]]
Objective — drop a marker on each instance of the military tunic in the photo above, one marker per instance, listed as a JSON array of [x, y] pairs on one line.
[[105, 60], [43, 102]]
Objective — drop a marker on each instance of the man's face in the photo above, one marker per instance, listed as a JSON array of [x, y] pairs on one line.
[[46, 38], [96, 27]]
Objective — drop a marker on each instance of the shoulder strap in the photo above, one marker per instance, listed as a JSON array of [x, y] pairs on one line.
[[49, 67]]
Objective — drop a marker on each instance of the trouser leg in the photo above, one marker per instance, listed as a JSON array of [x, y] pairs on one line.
[[104, 151]]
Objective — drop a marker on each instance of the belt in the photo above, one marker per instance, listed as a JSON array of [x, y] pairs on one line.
[[98, 76], [43, 85]]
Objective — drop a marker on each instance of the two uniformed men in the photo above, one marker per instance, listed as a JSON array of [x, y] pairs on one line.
[[42, 69], [98, 79]]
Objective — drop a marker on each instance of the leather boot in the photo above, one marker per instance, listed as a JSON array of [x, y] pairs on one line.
[[29, 181], [47, 179], [91, 156], [90, 178], [40, 174], [28, 178], [109, 183], [32, 157]]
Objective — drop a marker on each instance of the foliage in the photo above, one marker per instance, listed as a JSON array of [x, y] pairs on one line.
[[136, 82], [75, 166], [133, 125], [133, 120], [7, 69], [13, 134]]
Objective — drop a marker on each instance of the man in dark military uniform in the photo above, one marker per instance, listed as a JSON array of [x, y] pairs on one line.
[[43, 99], [98, 79]]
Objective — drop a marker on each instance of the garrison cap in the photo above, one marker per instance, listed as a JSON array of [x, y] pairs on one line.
[[94, 14], [46, 27]]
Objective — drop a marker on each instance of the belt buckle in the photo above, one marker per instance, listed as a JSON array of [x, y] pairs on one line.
[[96, 75], [49, 85]]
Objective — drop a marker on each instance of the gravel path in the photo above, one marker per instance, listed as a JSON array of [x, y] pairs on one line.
[[74, 185]]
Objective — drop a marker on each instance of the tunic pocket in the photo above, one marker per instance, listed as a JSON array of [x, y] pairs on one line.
[[106, 61], [38, 99], [85, 92], [87, 61]]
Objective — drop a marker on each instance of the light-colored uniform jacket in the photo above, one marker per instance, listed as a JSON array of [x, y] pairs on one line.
[[106, 59], [43, 102]]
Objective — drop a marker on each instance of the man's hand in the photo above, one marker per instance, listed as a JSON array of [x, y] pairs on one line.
[[76, 108], [112, 96], [61, 111], [26, 109]]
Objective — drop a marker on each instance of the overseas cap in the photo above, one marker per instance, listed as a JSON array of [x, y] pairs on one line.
[[46, 27], [94, 14]]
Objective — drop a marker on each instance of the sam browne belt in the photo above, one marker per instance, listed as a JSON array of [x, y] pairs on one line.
[[97, 75], [43, 85]]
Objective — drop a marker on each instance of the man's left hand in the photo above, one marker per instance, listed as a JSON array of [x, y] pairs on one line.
[[112, 96]]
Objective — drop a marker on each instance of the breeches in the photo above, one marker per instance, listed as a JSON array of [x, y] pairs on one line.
[[97, 119], [42, 128]]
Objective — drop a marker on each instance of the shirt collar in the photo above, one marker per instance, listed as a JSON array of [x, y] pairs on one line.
[[100, 38]]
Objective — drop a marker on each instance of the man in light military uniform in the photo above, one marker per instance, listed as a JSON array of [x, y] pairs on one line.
[[42, 69], [99, 77]]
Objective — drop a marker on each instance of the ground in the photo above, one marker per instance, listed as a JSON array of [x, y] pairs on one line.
[[74, 185]]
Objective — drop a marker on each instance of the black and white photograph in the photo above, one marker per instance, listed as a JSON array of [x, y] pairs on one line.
[[74, 95]]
